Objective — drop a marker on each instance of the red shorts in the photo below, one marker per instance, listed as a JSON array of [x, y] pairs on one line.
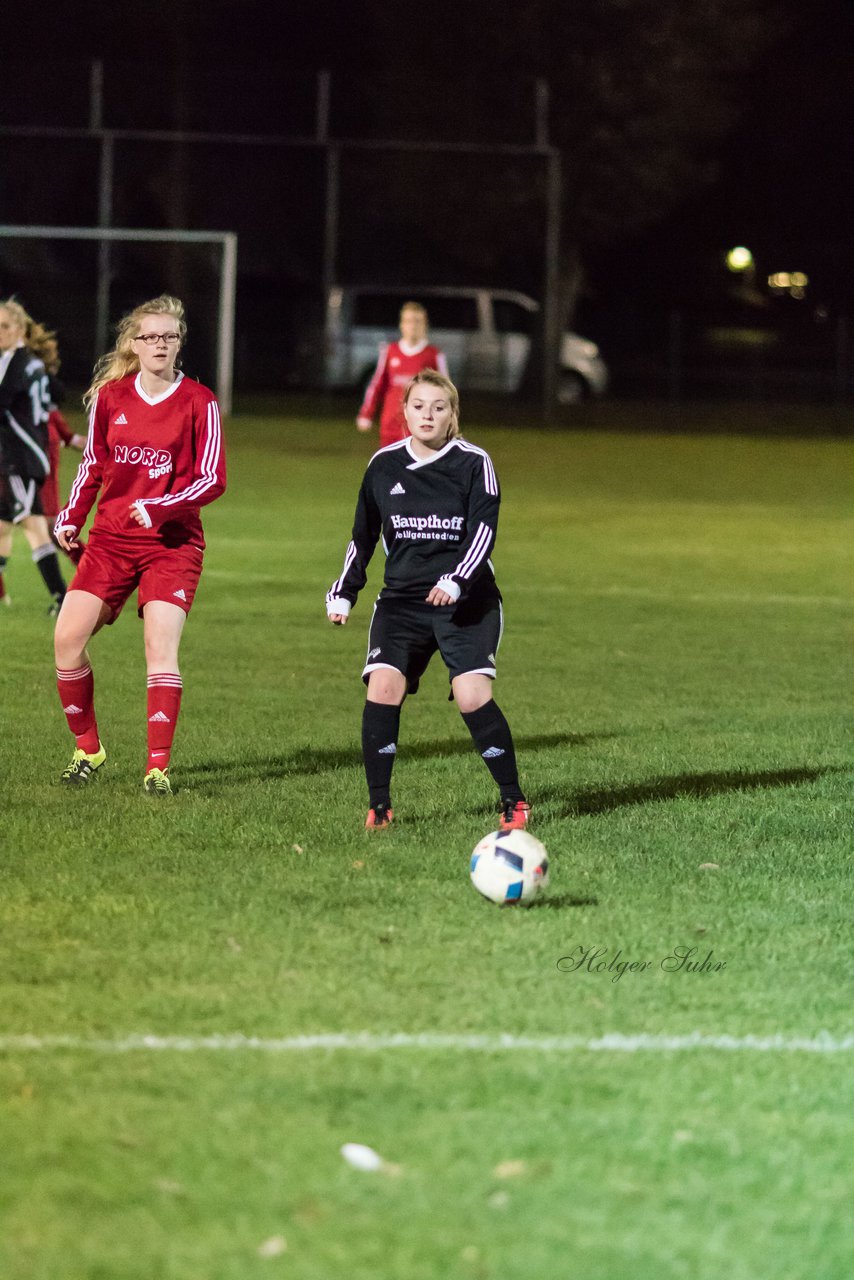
[[50, 488], [112, 567]]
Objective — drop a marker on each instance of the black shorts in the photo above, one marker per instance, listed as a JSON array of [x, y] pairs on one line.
[[19, 498], [405, 634]]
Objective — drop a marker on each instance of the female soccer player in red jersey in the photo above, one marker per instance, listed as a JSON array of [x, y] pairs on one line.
[[398, 363], [154, 455], [433, 499], [25, 346]]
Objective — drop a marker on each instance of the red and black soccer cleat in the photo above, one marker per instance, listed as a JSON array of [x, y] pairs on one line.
[[378, 817], [514, 815]]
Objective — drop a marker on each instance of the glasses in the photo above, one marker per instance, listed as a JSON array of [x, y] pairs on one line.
[[150, 339]]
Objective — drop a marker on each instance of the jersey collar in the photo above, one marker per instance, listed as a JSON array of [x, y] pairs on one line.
[[415, 349], [426, 462], [164, 395]]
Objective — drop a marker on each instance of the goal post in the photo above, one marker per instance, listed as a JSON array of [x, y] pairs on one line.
[[227, 240]]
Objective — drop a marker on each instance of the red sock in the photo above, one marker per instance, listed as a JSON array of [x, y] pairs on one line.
[[164, 703], [77, 695]]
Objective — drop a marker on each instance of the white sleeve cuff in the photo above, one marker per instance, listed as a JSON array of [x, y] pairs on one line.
[[146, 518], [337, 605], [453, 589]]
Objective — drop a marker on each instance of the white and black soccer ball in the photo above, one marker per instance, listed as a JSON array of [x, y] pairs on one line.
[[509, 867]]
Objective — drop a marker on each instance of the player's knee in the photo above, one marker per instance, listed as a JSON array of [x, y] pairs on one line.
[[471, 693], [160, 652], [68, 641], [388, 687]]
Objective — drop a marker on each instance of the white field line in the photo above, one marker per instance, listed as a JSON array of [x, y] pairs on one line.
[[822, 1042]]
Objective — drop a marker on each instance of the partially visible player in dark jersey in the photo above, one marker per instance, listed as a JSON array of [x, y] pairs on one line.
[[433, 500], [154, 456], [24, 453]]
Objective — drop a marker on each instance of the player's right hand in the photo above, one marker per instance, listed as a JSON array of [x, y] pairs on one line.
[[339, 619], [364, 424], [67, 537]]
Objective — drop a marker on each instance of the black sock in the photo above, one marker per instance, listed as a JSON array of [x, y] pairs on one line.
[[493, 739], [47, 564], [380, 724]]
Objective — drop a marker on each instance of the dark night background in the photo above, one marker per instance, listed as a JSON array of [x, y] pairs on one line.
[[682, 134]]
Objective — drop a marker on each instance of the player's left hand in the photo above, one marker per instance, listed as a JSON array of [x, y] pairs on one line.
[[136, 514], [438, 597]]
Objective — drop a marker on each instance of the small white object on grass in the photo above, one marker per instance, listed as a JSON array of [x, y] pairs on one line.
[[272, 1248], [362, 1157]]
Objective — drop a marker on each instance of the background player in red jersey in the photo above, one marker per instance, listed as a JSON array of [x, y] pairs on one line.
[[59, 436], [24, 454], [398, 364], [154, 455], [433, 499]]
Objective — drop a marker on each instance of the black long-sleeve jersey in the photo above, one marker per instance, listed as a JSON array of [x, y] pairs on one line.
[[24, 404], [437, 517]]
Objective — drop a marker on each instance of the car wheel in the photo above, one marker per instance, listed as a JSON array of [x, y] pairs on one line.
[[572, 388]]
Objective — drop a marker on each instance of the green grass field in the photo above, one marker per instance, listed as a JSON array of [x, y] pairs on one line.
[[675, 670]]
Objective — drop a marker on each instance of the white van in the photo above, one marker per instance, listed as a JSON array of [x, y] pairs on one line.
[[485, 334]]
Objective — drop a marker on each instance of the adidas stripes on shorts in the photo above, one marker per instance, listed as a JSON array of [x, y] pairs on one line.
[[113, 566], [19, 498], [405, 634]]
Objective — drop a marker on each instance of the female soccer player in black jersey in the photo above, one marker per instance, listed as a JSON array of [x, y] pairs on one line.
[[433, 499], [24, 453]]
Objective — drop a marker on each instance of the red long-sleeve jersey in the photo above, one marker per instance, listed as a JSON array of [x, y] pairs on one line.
[[163, 455], [398, 363]]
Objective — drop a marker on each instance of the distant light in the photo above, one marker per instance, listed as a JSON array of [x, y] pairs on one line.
[[739, 258], [792, 282]]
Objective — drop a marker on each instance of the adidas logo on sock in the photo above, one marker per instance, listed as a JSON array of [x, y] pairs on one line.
[[398, 488], [180, 593], [390, 750], [120, 421], [492, 753], [159, 718], [71, 710]]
